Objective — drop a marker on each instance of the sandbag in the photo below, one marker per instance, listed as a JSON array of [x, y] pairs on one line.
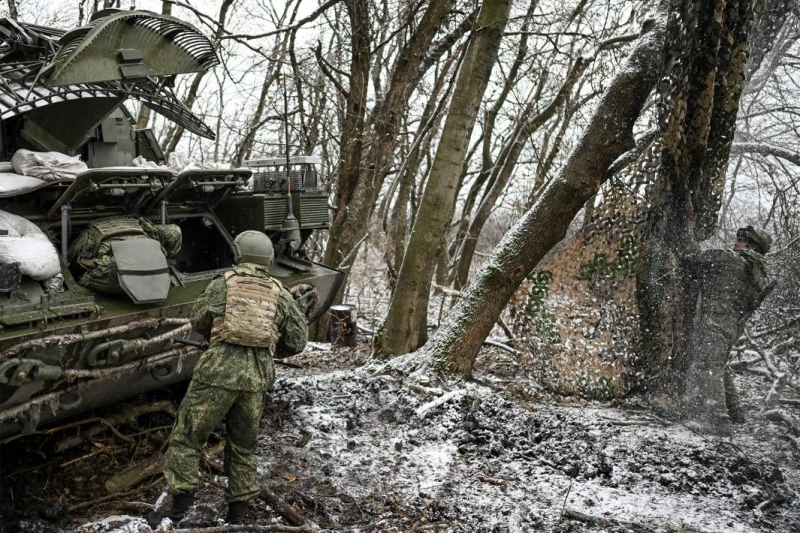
[[48, 166], [178, 164], [27, 245], [12, 184]]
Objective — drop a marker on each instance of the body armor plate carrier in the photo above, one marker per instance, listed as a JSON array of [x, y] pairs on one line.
[[250, 310]]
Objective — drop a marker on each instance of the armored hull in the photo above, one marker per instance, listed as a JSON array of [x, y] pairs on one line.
[[77, 330]]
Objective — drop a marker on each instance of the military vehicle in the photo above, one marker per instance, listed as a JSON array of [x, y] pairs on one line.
[[77, 334]]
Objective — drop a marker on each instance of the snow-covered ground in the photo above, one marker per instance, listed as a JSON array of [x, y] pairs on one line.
[[481, 462], [354, 452]]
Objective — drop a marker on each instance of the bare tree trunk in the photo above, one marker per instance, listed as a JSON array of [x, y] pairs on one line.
[[706, 64], [357, 193], [12, 9], [399, 224], [352, 139], [406, 324], [769, 22], [488, 134], [455, 345]]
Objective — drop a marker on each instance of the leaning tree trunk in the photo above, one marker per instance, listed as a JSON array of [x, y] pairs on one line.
[[406, 324], [705, 68], [456, 344], [504, 169]]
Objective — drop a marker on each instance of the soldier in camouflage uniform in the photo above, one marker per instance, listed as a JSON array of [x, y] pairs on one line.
[[727, 286], [91, 251], [249, 318]]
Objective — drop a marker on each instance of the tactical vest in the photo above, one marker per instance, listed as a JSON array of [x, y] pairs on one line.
[[250, 309], [103, 231]]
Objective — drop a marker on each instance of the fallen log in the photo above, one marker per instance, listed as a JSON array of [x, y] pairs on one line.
[[108, 497], [781, 416], [590, 520], [281, 507], [135, 474]]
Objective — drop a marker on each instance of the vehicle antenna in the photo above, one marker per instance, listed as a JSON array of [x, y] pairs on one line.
[[289, 208]]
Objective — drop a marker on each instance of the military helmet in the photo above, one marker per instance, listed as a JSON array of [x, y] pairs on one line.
[[757, 239], [254, 247]]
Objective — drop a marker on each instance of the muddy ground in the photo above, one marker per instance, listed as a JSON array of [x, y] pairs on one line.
[[354, 452]]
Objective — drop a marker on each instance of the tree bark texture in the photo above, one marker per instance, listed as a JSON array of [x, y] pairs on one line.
[[455, 345], [705, 65], [352, 146], [358, 186], [13, 12], [399, 220], [487, 163], [406, 324]]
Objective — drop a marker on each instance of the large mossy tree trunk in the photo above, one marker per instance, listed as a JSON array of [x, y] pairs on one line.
[[453, 348], [405, 328], [705, 66]]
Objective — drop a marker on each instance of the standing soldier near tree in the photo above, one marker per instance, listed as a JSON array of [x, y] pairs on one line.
[[249, 318], [727, 286]]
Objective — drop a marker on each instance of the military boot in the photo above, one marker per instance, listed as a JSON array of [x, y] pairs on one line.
[[174, 510], [236, 513]]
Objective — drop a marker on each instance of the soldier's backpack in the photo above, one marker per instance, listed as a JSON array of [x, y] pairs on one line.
[[118, 256]]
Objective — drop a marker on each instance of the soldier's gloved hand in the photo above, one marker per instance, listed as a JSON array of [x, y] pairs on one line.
[[305, 296]]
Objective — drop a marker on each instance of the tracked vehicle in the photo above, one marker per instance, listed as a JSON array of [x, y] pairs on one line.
[[71, 341]]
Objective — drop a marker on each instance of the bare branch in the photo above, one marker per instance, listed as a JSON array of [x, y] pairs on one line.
[[297, 25]]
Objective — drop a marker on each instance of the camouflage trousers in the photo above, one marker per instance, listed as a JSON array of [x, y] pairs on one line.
[[203, 407], [710, 392]]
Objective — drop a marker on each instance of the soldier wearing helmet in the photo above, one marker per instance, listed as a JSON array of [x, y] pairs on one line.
[[248, 318], [726, 287]]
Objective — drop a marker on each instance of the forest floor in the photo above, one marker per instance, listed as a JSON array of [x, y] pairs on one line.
[[353, 452]]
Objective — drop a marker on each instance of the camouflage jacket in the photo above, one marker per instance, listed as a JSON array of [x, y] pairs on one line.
[[728, 282], [245, 368]]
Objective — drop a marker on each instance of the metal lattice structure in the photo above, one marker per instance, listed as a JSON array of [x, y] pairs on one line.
[[35, 60]]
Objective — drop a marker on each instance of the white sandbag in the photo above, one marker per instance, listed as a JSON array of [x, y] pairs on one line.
[[141, 162], [178, 164], [6, 166], [48, 166], [175, 164], [12, 184], [27, 245]]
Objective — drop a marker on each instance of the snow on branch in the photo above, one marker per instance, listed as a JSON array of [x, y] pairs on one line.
[[763, 148]]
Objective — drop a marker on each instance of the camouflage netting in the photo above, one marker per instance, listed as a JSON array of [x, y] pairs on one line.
[[577, 313]]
